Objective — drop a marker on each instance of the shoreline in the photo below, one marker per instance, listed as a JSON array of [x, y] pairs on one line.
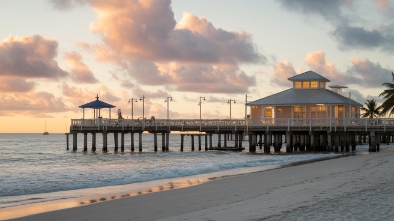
[[129, 190], [73, 198], [264, 195]]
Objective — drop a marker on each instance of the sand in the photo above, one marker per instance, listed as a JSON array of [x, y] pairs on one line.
[[359, 187]]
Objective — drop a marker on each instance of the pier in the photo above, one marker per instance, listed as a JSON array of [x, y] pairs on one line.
[[306, 117], [306, 134]]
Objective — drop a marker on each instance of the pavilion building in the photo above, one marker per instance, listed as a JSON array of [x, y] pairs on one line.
[[308, 98]]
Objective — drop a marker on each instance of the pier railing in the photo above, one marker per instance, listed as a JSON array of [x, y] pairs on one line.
[[328, 123]]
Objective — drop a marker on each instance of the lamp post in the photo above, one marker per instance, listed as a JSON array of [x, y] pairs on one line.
[[143, 109], [132, 100], [201, 98], [143, 106], [246, 101], [230, 101], [168, 99]]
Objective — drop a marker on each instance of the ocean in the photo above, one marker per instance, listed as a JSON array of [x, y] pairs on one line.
[[36, 168]]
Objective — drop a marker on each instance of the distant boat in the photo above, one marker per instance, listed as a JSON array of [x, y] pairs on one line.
[[46, 132]]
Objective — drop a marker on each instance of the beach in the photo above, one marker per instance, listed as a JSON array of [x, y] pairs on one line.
[[356, 187]]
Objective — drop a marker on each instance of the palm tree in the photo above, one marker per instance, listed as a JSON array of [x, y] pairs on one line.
[[372, 109], [388, 95]]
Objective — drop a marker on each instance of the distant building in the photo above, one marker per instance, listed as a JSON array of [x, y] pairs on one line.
[[308, 98]]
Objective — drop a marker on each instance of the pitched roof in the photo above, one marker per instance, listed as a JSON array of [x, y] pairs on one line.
[[97, 104], [309, 76], [295, 97]]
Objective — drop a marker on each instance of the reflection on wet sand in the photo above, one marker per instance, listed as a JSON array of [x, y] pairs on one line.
[[41, 207], [168, 186]]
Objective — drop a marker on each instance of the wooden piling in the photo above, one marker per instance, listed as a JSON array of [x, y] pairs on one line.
[[163, 141], [93, 142], [85, 142], [105, 144], [67, 140], [199, 142], [122, 142], [182, 137], [140, 141], [116, 142], [192, 142], [155, 141], [75, 141], [206, 143], [132, 142]]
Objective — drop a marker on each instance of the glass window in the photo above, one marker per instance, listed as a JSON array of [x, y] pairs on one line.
[[314, 84], [305, 84], [313, 108], [322, 85], [297, 84]]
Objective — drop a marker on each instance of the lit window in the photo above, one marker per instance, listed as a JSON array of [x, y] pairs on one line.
[[305, 84], [297, 84], [314, 84], [313, 108]]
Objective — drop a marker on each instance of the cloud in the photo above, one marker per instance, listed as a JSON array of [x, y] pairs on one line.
[[214, 79], [80, 72], [361, 71], [143, 39], [34, 104], [318, 63], [66, 4], [351, 28], [147, 29], [282, 72], [368, 74], [15, 85], [30, 57]]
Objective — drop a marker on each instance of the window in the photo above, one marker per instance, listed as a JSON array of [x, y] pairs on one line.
[[305, 84], [313, 108], [322, 85], [314, 84], [297, 84]]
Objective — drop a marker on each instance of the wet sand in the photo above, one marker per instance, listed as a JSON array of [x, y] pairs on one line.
[[358, 187]]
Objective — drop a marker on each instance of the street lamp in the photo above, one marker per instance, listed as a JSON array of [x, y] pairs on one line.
[[168, 99], [200, 109], [132, 100], [229, 101], [143, 106], [246, 101]]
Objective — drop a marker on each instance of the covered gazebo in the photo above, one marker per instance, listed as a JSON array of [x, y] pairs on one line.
[[97, 105]]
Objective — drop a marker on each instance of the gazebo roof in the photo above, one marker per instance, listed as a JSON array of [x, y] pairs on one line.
[[309, 76], [304, 97], [97, 104]]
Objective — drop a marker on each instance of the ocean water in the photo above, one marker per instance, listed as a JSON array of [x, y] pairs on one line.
[[35, 168]]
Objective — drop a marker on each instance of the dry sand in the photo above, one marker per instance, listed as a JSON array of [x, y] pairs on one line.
[[359, 187]]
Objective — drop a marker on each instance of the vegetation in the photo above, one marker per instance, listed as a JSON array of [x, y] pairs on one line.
[[388, 95], [372, 109]]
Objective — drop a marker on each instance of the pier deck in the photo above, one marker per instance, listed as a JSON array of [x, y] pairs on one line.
[[299, 133]]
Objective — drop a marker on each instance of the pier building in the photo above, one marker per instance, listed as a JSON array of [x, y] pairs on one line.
[[306, 117]]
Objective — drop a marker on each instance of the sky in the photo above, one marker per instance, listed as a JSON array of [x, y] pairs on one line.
[[56, 55]]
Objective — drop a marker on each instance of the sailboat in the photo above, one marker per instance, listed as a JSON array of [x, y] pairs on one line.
[[45, 132]]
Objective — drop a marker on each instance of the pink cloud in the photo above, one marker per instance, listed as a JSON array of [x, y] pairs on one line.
[[80, 72], [143, 39], [147, 29], [283, 71], [29, 57]]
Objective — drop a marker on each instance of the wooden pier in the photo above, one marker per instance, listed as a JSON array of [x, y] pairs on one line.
[[306, 134]]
